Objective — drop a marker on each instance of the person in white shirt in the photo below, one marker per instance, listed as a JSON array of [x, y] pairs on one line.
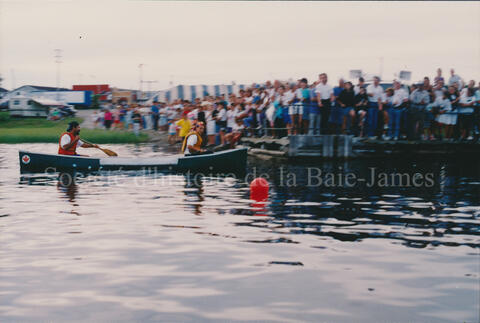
[[375, 93], [455, 79], [95, 118], [193, 141], [70, 140], [211, 124], [325, 98], [445, 119], [396, 112], [465, 113], [231, 114]]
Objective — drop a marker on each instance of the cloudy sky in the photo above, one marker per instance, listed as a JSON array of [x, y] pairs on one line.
[[221, 42]]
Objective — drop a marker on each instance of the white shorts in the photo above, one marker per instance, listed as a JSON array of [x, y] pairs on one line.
[[211, 128], [296, 108]]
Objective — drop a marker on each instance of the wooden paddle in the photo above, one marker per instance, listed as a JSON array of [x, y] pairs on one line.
[[109, 152]]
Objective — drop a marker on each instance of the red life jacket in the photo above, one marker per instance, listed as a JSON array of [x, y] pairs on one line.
[[69, 151]]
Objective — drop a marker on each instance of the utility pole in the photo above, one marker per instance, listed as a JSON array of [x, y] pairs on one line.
[[140, 66], [58, 60]]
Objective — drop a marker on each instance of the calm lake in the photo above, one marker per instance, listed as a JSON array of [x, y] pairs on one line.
[[136, 246]]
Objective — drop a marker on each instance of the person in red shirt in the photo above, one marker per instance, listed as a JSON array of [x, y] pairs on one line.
[[70, 140]]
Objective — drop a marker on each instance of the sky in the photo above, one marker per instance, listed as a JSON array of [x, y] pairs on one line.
[[104, 42]]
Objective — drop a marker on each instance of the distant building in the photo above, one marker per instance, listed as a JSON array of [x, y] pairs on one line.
[[78, 98], [191, 92], [29, 90], [103, 89], [22, 106], [3, 92], [123, 96]]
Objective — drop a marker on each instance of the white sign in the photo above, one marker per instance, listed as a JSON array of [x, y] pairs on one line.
[[70, 97]]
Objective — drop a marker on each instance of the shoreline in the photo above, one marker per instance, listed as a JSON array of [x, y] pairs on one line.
[[35, 130]]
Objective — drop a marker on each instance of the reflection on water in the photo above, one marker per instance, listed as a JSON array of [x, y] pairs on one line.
[[165, 247]]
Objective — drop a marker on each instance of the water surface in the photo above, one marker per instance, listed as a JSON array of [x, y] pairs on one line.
[[164, 247]]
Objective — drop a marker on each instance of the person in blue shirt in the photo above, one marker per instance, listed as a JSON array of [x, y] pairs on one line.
[[303, 96], [336, 112], [155, 115]]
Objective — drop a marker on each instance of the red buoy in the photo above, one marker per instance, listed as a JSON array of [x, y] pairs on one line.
[[259, 189]]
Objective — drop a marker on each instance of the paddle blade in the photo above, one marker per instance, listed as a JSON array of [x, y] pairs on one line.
[[109, 152]]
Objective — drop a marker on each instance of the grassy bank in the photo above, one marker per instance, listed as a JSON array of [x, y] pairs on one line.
[[14, 131]]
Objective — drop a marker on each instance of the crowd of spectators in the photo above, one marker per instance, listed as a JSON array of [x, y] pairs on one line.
[[439, 110]]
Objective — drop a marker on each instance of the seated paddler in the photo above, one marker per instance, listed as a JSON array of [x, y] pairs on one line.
[[192, 144], [70, 140]]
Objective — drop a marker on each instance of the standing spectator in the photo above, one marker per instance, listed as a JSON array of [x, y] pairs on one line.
[[361, 107], [116, 117], [477, 113], [172, 132], [455, 79], [231, 114], [336, 110], [387, 106], [419, 99], [185, 124], [445, 119], [439, 78], [278, 123], [295, 110], [346, 100], [129, 117], [361, 84], [399, 103], [163, 118], [428, 87], [137, 119], [454, 99], [221, 120], [108, 119], [471, 85], [324, 100], [95, 118], [465, 113], [155, 115], [314, 116], [438, 90], [303, 96], [374, 92], [287, 101], [210, 117]]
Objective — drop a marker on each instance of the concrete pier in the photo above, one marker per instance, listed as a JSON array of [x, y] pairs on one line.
[[343, 146], [326, 146]]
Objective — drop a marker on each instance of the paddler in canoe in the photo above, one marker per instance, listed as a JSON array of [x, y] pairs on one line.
[[192, 144], [70, 140]]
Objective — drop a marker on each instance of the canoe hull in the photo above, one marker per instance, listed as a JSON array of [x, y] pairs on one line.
[[229, 161], [46, 163]]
